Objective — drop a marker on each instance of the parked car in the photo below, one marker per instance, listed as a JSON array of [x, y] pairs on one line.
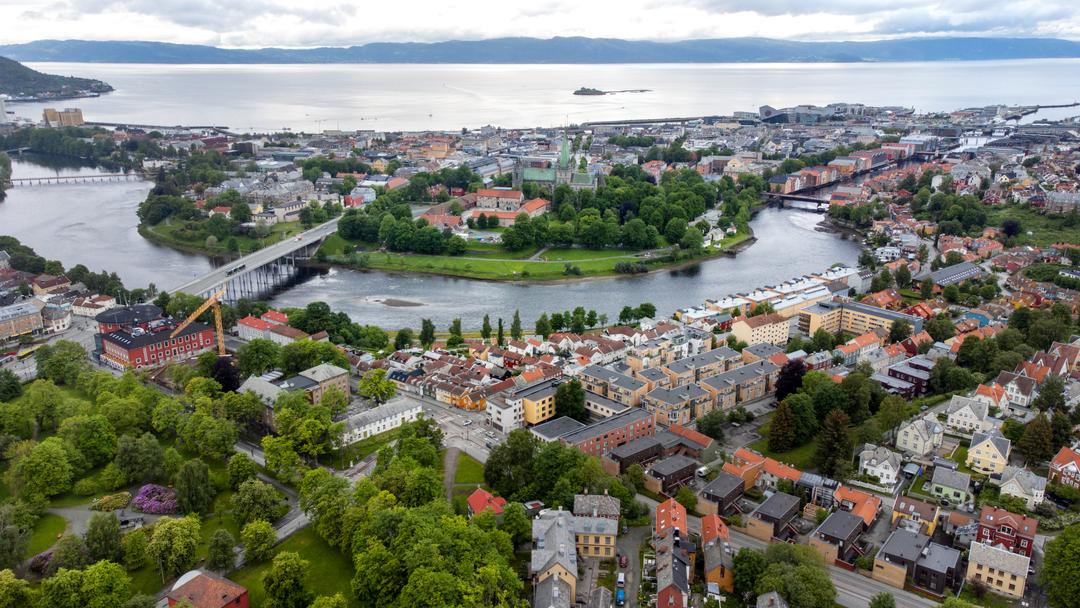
[[620, 597], [624, 561]]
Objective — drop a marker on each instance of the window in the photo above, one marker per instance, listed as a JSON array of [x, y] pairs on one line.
[[1012, 587]]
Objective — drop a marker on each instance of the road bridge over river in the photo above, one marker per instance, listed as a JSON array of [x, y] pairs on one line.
[[258, 274]]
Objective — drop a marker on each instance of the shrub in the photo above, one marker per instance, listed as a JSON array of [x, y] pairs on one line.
[[85, 487], [111, 502], [155, 499], [40, 562], [631, 267]]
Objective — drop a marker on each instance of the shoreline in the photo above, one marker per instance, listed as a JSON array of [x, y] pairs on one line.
[[731, 252]]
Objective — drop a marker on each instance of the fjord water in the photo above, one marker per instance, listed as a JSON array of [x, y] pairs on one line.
[[95, 224], [417, 97]]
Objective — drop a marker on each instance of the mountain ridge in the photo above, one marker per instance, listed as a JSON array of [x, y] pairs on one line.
[[558, 50]]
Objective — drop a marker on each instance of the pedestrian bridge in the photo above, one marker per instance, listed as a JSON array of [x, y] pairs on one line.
[[259, 274]]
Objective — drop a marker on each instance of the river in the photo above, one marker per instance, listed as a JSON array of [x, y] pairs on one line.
[[95, 225], [416, 97], [91, 224]]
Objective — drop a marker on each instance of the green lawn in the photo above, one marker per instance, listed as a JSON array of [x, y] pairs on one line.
[[221, 519], [960, 458], [1046, 229], [365, 447], [801, 457], [491, 261], [573, 254], [469, 470], [46, 531], [329, 571]]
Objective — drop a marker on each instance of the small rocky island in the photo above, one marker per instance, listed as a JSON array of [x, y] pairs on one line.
[[591, 91]]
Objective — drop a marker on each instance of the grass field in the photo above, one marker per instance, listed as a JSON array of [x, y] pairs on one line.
[[491, 261], [1046, 229], [46, 531], [469, 470], [329, 571]]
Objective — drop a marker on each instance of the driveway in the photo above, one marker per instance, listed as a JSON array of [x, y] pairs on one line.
[[630, 544]]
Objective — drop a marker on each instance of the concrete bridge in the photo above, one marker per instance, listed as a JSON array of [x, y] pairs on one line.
[[258, 275]]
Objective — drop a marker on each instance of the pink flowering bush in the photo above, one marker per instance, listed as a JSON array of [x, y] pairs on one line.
[[155, 499]]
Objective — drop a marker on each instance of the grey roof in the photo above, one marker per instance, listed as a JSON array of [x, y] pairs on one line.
[[739, 375], [763, 350], [841, 524], [602, 401], [613, 377], [904, 544], [778, 505], [552, 592], [599, 598], [771, 599], [587, 524], [672, 465], [951, 479], [600, 427], [1029, 482], [553, 535], [939, 558], [672, 564], [955, 273], [596, 505], [1000, 443], [556, 428], [724, 484], [702, 359], [634, 447], [719, 552], [323, 372], [979, 408], [267, 391], [678, 395], [653, 374], [874, 455], [999, 559], [383, 412], [927, 427]]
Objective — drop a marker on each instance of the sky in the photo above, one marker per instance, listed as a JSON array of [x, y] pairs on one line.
[[292, 23]]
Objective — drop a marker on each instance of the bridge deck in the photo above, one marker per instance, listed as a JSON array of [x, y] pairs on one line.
[[219, 276]]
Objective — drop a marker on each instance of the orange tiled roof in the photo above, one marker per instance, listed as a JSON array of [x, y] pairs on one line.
[[712, 527], [670, 514], [781, 470], [864, 505]]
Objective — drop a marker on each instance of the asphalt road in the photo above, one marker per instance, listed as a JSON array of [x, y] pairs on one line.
[[265, 255]]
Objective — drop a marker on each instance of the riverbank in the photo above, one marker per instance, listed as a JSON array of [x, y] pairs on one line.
[[557, 265]]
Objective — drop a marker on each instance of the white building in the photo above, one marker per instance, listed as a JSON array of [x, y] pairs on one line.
[[968, 416], [1022, 483], [920, 436], [880, 462], [505, 416], [377, 420]]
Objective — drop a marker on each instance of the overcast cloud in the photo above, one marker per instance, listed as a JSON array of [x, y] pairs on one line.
[[292, 23]]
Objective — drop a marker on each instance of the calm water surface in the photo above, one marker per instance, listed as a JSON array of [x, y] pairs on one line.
[[416, 97]]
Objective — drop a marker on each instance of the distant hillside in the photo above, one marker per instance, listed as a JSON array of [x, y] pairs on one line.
[[19, 81], [560, 50]]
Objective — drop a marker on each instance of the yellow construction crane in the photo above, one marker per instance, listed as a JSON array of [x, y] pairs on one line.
[[215, 301]]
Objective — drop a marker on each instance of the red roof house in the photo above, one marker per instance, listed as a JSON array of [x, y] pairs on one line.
[[482, 500]]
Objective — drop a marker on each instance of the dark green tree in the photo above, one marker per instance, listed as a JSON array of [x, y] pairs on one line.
[[834, 443], [193, 489], [782, 429]]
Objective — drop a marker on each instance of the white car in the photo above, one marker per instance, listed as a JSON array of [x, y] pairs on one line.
[[467, 422]]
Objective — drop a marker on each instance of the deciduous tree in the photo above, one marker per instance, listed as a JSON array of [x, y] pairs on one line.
[[285, 582], [258, 538]]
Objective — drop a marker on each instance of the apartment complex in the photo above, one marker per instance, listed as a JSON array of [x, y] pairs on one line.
[[851, 317]]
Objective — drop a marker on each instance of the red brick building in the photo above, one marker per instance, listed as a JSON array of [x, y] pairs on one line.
[[1016, 533], [609, 433], [136, 348]]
